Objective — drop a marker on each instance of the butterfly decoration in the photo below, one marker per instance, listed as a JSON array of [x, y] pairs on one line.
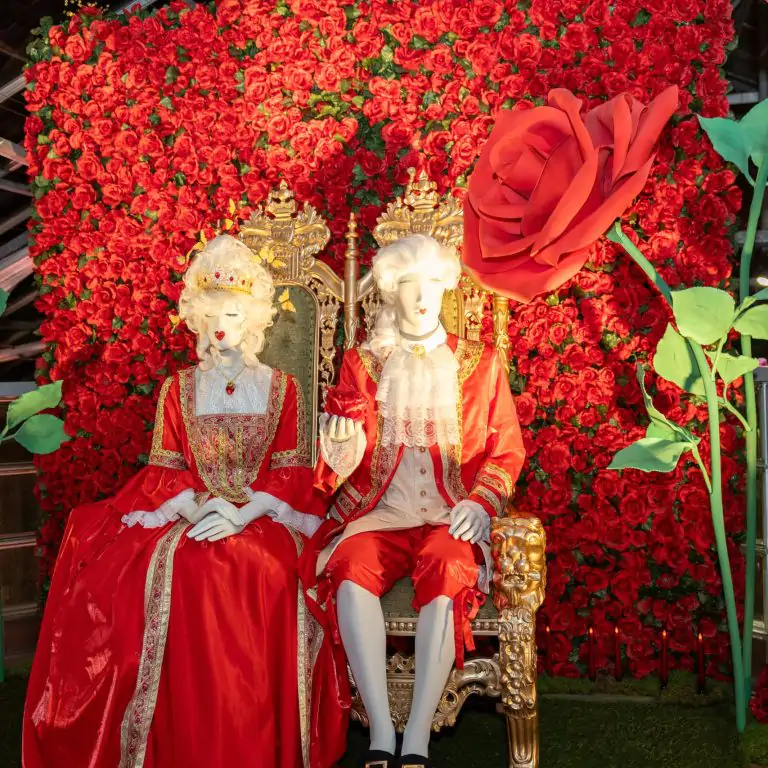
[[284, 299]]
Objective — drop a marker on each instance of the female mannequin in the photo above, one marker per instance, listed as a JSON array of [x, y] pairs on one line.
[[174, 633]]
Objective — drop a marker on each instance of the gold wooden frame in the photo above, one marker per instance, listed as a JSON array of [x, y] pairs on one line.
[[517, 543], [285, 241]]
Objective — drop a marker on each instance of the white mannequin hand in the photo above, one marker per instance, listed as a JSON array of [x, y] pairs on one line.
[[214, 527], [338, 429], [470, 522], [222, 506]]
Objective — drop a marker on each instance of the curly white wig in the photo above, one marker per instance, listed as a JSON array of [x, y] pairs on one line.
[[230, 254], [414, 253]]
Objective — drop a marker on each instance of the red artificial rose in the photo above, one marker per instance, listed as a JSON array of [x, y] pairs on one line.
[[346, 403], [549, 182]]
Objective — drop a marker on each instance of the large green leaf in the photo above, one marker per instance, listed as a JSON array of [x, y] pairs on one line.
[[3, 300], [754, 131], [732, 367], [674, 361], [703, 314], [30, 403], [753, 322], [42, 433], [651, 454], [729, 142]]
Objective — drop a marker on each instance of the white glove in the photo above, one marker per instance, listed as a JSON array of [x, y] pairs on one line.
[[219, 511], [214, 527], [342, 443], [470, 522]]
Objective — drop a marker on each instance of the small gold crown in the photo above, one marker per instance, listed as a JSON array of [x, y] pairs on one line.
[[221, 280]]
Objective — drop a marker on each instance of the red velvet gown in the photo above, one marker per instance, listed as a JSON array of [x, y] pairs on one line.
[[158, 650]]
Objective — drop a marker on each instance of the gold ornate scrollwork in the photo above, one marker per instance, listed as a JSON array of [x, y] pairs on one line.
[[519, 580], [500, 309], [285, 241], [479, 676]]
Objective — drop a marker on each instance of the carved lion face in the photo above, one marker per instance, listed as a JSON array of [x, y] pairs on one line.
[[519, 554]]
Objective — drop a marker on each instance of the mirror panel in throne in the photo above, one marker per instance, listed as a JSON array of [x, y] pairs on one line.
[[518, 543], [301, 340]]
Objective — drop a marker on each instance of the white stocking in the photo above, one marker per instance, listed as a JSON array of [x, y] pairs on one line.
[[435, 654], [361, 623]]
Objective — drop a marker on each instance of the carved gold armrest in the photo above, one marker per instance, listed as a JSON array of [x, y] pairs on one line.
[[519, 580]]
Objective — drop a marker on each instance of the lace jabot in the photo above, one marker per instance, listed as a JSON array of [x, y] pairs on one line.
[[250, 395], [418, 392]]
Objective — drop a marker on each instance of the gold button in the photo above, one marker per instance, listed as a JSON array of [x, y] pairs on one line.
[[423, 510], [423, 470], [422, 449], [423, 494]]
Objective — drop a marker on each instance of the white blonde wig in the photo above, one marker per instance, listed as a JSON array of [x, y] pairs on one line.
[[409, 255], [227, 253]]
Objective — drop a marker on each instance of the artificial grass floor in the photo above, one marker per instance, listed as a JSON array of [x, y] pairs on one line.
[[575, 733]]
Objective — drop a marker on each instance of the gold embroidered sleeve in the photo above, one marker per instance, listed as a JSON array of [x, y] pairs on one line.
[[300, 456], [160, 456]]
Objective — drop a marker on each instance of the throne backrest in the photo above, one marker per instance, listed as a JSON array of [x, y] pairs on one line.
[[420, 210], [285, 240]]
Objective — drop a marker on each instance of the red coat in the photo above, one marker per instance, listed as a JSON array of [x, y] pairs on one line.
[[483, 468]]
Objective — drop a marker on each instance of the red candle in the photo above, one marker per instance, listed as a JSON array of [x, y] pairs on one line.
[[700, 676], [591, 658], [547, 659], [617, 653], [664, 663]]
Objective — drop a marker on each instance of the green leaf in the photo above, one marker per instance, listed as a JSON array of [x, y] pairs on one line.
[[753, 322], [732, 367], [754, 130], [30, 403], [674, 361], [660, 425], [3, 300], [651, 454], [761, 295], [42, 434], [703, 314], [728, 140]]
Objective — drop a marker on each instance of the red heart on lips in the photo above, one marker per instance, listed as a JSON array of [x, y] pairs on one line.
[[219, 335]]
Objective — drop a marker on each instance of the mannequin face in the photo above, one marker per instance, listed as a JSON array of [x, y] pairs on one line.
[[418, 302], [224, 322]]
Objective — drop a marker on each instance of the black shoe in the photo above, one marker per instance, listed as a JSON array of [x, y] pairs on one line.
[[415, 761], [378, 758]]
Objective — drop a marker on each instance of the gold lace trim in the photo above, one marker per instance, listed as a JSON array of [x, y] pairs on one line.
[[490, 497], [137, 720], [159, 456], [500, 476]]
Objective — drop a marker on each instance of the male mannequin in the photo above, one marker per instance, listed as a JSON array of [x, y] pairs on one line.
[[416, 481]]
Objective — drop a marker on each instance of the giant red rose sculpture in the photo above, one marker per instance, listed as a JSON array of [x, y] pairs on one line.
[[550, 181]]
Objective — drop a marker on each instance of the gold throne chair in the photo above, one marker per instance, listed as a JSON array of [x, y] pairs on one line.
[[508, 672], [286, 241]]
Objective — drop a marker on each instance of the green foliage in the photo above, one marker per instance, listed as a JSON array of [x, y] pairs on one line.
[[703, 314], [737, 141], [753, 322], [732, 367], [675, 362], [650, 454], [41, 434], [3, 300], [30, 403]]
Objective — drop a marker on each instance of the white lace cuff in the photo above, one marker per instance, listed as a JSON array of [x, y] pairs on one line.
[[168, 512], [284, 513], [343, 457]]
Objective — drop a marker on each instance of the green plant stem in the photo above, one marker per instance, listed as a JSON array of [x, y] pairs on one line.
[[755, 209], [731, 408], [702, 467], [716, 361], [716, 491]]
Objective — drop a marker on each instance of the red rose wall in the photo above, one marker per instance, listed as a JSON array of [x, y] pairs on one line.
[[143, 128]]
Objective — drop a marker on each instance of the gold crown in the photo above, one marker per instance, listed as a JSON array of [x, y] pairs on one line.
[[221, 280]]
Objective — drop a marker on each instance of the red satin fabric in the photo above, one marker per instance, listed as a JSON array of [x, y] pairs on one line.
[[229, 688], [437, 563]]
